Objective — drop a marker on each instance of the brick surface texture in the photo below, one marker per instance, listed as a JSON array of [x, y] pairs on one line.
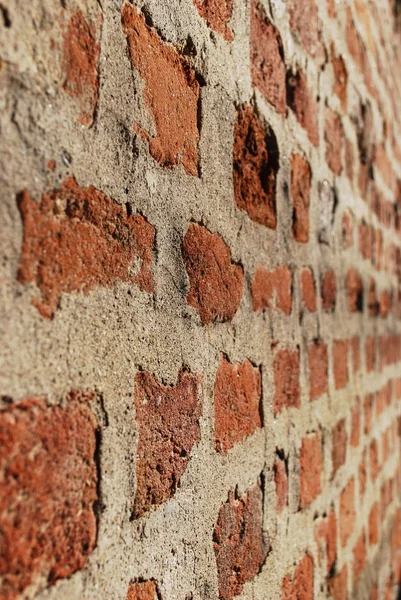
[[200, 300]]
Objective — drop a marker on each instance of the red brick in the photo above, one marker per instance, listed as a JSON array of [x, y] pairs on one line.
[[255, 165], [237, 403], [366, 241], [349, 160], [168, 420], [354, 287], [374, 525], [216, 283], [143, 590], [374, 460], [339, 445], [340, 76], [385, 303], [76, 239], [362, 474], [311, 467], [267, 60], [334, 137], [217, 14], [171, 94], [326, 539], [272, 289], [378, 249], [281, 481], [239, 544], [308, 290], [304, 22], [329, 290], [287, 391], [331, 10], [347, 229], [338, 585], [383, 163], [359, 557], [80, 57], [372, 299], [303, 103], [48, 476], [347, 511], [300, 193], [340, 363], [318, 369], [356, 424], [370, 353], [368, 409], [300, 585], [356, 353]]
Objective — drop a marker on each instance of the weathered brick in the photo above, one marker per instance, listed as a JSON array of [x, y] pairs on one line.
[[255, 166], [347, 511], [370, 353], [354, 287], [340, 76], [311, 467], [355, 353], [281, 481], [329, 291], [340, 363], [48, 477], [171, 89], [374, 525], [326, 539], [374, 459], [339, 445], [372, 299], [237, 403], [238, 540], [217, 14], [355, 424], [143, 590], [76, 239], [216, 283], [359, 557], [338, 585], [168, 420], [304, 22], [300, 193], [334, 137], [366, 241], [267, 59], [347, 229], [318, 369], [303, 103], [299, 586], [308, 289], [272, 290], [368, 409], [362, 474], [287, 391]]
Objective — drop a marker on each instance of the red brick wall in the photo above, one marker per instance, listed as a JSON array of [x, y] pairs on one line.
[[201, 293]]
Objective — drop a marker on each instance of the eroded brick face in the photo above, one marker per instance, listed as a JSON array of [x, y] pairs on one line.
[[281, 482], [333, 136], [329, 291], [300, 194], [318, 369], [299, 586], [143, 590], [237, 403], [48, 477], [311, 467], [304, 22], [256, 162], [168, 421], [76, 239], [301, 100], [272, 290], [267, 59], [287, 390], [308, 289], [238, 540], [217, 14], [216, 283], [171, 94]]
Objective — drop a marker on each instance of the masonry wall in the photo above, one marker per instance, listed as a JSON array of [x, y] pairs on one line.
[[200, 300]]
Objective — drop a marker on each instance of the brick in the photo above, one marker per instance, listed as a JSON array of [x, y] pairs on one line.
[[347, 511], [168, 421], [373, 306], [340, 363], [354, 288], [356, 353], [237, 403], [267, 60], [355, 424], [281, 482], [368, 409], [370, 353], [301, 176], [217, 14], [385, 304], [48, 476], [287, 391], [76, 239], [255, 166], [216, 283], [143, 590], [304, 22], [239, 544], [359, 557], [326, 539], [374, 460], [308, 290], [374, 525], [303, 103], [366, 241], [80, 58], [347, 229], [334, 138], [340, 76], [318, 369], [272, 290], [170, 88], [338, 585], [349, 160], [362, 474], [311, 467], [300, 585], [329, 291], [339, 445]]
